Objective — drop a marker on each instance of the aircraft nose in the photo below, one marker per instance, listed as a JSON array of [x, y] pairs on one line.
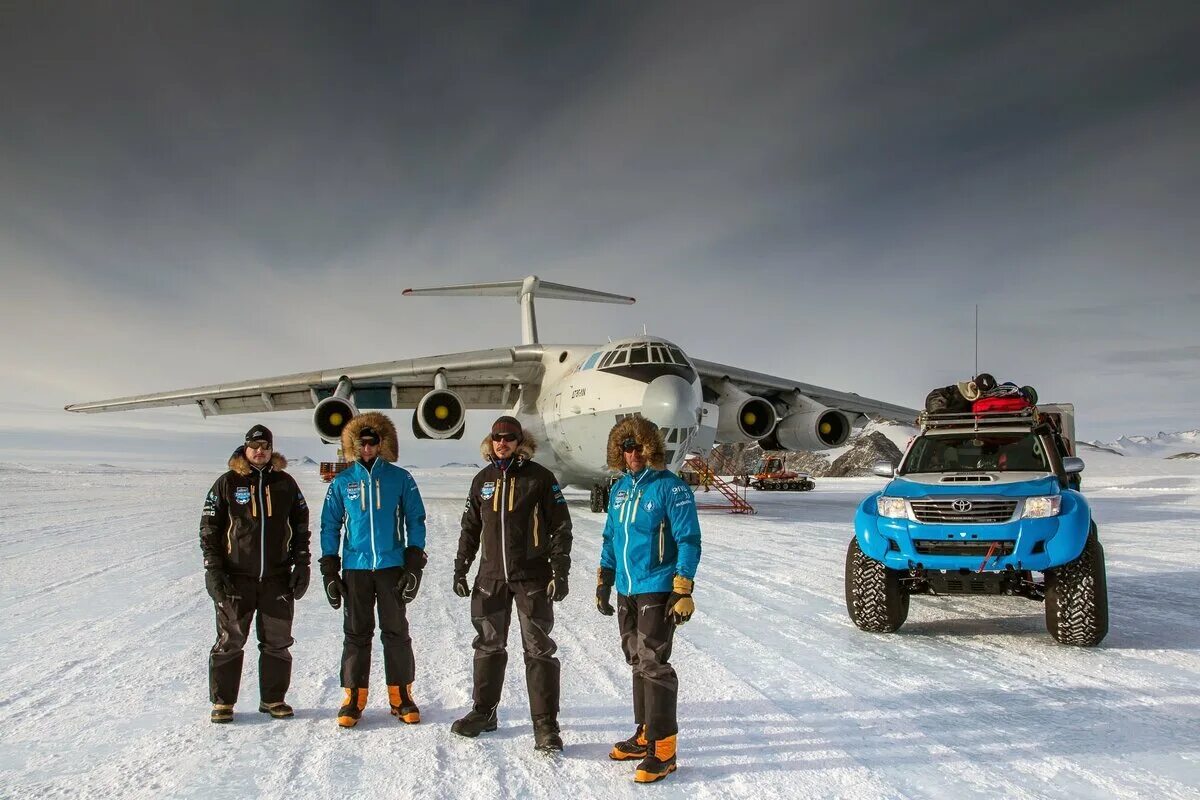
[[670, 402]]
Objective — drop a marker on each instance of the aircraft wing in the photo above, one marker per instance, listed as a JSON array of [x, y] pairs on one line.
[[770, 387], [483, 378]]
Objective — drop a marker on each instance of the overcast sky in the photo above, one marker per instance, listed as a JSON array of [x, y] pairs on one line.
[[195, 193]]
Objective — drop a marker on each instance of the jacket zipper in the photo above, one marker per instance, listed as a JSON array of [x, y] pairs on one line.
[[661, 525], [535, 529], [371, 514], [262, 531], [503, 549], [629, 517]]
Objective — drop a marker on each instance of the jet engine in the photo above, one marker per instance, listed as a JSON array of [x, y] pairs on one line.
[[332, 413], [440, 414], [811, 426], [742, 417]]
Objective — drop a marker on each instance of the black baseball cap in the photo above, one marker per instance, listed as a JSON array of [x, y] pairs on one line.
[[260, 433], [368, 435]]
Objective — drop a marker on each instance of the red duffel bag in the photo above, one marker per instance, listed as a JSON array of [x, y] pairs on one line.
[[999, 404]]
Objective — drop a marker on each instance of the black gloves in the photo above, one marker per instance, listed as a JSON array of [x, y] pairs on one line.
[[331, 566], [299, 580], [219, 585], [557, 589], [680, 605], [410, 579], [461, 587], [605, 578]]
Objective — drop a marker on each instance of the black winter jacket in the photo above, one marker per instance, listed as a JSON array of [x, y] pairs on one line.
[[255, 522], [518, 518]]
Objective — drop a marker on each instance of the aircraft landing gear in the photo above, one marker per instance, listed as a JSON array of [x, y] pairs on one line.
[[599, 498]]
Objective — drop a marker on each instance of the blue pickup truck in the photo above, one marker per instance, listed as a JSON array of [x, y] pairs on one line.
[[982, 504]]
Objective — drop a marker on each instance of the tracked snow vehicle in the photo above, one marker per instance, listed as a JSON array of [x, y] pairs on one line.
[[982, 503]]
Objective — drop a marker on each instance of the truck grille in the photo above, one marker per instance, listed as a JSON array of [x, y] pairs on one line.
[[954, 547], [968, 510]]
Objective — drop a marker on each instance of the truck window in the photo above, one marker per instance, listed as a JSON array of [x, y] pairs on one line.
[[991, 452]]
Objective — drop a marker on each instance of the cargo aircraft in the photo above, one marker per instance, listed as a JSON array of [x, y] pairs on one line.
[[567, 395]]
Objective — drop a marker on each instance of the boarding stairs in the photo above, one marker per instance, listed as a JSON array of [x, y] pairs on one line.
[[734, 501]]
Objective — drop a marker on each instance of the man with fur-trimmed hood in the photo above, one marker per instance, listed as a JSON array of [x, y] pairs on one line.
[[254, 537], [375, 518], [517, 519], [650, 551]]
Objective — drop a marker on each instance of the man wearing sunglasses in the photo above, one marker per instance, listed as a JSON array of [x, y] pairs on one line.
[[516, 518], [254, 537], [372, 556], [650, 551]]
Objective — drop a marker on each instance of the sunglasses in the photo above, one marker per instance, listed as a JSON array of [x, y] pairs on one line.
[[257, 446], [630, 446], [369, 442], [504, 437]]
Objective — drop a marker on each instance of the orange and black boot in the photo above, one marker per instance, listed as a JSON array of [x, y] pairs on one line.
[[351, 711], [658, 763], [631, 748], [404, 707]]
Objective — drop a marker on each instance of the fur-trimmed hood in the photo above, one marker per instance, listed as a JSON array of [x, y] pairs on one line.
[[389, 445], [524, 452], [241, 465], [646, 433]]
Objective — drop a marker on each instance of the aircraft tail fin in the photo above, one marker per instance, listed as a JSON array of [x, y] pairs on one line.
[[525, 290]]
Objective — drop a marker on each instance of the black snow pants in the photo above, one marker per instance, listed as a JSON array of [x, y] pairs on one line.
[[270, 601], [365, 590], [646, 638], [491, 613]]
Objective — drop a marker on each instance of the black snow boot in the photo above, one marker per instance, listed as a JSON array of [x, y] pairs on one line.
[[545, 734], [475, 723], [631, 748], [221, 713], [280, 710]]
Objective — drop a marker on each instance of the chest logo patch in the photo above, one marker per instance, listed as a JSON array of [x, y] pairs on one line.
[[488, 490], [353, 490], [620, 498], [648, 505], [242, 495]]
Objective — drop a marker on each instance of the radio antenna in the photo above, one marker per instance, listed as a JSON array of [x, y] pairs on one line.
[[976, 340]]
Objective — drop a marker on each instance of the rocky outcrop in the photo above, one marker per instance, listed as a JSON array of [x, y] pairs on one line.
[[866, 452]]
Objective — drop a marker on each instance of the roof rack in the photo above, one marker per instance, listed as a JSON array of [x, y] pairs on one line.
[[979, 420]]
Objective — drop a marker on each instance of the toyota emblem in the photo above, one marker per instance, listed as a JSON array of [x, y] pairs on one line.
[[961, 505]]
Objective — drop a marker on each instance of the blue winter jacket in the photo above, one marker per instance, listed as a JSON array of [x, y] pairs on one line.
[[372, 516], [652, 533]]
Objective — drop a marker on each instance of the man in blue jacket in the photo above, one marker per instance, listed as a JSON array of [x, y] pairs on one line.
[[374, 516], [650, 552]]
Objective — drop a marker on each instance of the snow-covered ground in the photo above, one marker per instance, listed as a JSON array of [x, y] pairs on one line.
[[105, 629]]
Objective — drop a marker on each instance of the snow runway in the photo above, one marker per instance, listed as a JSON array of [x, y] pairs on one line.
[[106, 627]]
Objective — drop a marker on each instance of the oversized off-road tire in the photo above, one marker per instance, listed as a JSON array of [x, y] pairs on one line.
[[875, 598], [1077, 598]]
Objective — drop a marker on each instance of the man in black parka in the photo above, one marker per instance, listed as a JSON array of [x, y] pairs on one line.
[[517, 519], [254, 536]]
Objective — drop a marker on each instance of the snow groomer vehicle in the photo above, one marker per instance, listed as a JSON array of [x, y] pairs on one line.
[[985, 501]]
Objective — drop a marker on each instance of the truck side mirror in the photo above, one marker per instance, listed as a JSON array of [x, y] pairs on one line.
[[885, 469], [1072, 465]]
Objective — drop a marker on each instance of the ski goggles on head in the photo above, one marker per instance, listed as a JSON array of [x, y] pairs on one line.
[[259, 445], [631, 445], [504, 437]]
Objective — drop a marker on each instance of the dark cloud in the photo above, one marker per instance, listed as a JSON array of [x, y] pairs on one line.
[[855, 177]]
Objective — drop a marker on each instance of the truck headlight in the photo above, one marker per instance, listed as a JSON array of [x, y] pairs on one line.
[[894, 507], [1038, 507]]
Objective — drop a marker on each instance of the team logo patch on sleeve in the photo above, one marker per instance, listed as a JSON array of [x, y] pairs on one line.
[[558, 495], [353, 490], [488, 490], [210, 505], [242, 495]]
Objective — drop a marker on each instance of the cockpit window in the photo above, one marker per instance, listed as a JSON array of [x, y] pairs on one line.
[[677, 354], [591, 362], [638, 354]]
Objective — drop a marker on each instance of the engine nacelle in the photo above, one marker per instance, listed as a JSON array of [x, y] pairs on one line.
[[440, 414], [332, 413], [813, 429], [743, 417]]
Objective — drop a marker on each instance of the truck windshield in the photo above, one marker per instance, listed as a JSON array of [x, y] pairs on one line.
[[992, 452]]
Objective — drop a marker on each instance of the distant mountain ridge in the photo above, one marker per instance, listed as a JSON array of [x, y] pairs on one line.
[[1161, 445]]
